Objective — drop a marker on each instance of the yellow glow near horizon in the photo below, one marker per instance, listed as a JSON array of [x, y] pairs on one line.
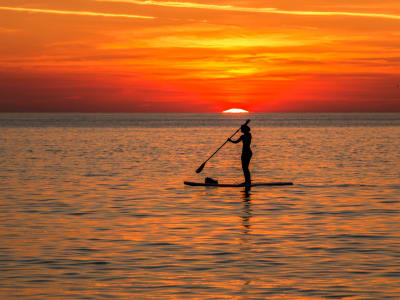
[[235, 111]]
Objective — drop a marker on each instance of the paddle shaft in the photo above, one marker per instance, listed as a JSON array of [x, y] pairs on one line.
[[247, 122]]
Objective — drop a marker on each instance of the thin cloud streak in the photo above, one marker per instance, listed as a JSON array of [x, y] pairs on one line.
[[70, 12], [255, 9]]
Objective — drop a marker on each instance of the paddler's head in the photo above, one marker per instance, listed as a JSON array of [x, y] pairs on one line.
[[244, 128]]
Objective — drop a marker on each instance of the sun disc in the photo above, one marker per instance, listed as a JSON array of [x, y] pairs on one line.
[[235, 111]]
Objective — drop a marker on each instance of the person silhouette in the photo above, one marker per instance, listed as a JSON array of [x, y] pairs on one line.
[[246, 152]]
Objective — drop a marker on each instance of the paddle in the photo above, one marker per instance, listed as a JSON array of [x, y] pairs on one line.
[[199, 169]]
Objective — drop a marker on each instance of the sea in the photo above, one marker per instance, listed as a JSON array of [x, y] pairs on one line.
[[93, 206]]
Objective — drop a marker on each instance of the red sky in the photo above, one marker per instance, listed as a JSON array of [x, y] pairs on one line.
[[199, 56]]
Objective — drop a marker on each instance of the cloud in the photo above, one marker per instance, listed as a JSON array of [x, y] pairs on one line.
[[226, 42], [255, 9], [219, 42], [77, 13]]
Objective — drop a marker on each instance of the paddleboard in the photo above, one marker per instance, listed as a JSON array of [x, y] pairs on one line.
[[237, 185]]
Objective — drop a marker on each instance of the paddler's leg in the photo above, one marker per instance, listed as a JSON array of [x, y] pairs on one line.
[[245, 166]]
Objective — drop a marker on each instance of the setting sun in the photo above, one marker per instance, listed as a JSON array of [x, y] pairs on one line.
[[235, 111]]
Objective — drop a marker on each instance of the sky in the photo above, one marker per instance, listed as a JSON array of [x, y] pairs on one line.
[[199, 55]]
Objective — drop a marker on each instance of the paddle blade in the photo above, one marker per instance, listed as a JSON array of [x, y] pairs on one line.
[[200, 168]]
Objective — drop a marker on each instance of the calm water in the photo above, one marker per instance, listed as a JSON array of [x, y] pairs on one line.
[[94, 207]]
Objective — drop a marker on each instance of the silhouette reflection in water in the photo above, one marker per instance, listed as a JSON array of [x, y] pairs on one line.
[[246, 243], [246, 213]]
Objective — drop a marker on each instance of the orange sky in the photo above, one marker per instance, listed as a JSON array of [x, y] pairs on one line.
[[200, 56]]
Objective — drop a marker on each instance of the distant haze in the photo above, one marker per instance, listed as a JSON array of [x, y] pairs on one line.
[[200, 56]]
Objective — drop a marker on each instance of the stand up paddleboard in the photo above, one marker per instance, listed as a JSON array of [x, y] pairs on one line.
[[237, 185]]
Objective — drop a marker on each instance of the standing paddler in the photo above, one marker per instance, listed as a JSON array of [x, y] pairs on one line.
[[246, 152]]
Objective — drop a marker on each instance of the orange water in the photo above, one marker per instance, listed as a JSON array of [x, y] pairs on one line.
[[95, 208]]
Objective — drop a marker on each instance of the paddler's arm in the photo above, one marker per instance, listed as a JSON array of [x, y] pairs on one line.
[[237, 141]]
